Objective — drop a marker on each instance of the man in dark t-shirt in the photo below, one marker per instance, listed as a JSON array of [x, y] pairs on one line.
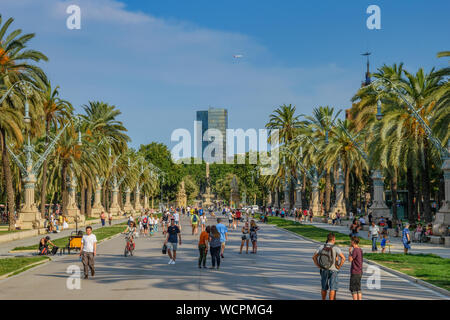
[[173, 234], [355, 256]]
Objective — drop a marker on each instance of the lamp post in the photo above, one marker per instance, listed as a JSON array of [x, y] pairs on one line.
[[29, 216]]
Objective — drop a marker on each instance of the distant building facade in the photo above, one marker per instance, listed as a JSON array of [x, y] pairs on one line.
[[214, 118]]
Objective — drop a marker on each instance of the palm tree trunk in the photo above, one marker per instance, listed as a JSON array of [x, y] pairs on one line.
[[89, 198], [44, 173], [64, 194], [7, 175], [410, 183], [394, 194], [347, 189], [104, 198], [426, 185], [304, 192], [83, 197], [328, 192]]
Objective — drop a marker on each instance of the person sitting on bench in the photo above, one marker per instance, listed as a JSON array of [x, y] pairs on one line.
[[43, 246]]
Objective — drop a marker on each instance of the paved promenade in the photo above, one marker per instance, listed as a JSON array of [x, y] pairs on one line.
[[282, 269]]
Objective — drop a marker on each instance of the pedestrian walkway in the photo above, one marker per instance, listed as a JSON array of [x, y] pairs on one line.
[[396, 242], [282, 269], [8, 246]]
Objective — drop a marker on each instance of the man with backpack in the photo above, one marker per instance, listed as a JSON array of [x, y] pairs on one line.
[[326, 258], [194, 222]]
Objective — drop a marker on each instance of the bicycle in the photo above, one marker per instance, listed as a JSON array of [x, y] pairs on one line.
[[129, 247]]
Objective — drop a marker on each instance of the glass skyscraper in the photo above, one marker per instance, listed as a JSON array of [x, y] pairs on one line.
[[214, 118]]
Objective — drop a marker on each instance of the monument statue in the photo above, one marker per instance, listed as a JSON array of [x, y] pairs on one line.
[[234, 195], [207, 196], [181, 196]]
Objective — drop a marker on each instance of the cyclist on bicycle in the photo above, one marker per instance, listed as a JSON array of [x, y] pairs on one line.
[[130, 232]]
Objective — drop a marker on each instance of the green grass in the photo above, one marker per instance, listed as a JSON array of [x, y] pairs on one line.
[[100, 233], [314, 233], [18, 264], [427, 267], [2, 232]]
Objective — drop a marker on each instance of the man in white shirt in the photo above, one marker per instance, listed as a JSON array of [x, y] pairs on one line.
[[88, 251], [362, 221], [374, 232], [176, 216]]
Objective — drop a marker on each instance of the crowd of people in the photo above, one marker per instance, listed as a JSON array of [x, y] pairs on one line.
[[212, 237]]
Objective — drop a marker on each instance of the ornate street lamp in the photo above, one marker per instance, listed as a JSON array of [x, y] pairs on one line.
[[379, 115]]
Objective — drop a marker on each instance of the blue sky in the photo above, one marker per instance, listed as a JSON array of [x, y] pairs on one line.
[[161, 60]]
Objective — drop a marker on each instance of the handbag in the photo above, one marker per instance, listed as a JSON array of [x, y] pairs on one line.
[[164, 249]]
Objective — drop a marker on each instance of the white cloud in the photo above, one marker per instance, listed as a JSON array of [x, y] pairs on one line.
[[159, 72]]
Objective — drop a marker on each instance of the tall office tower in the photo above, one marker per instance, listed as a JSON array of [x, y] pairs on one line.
[[214, 118]]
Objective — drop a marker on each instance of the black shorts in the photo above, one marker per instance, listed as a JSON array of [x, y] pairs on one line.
[[145, 226], [355, 283]]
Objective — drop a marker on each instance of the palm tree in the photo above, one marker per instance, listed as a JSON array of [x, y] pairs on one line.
[[404, 142], [285, 120], [14, 67], [342, 149], [56, 111], [320, 126]]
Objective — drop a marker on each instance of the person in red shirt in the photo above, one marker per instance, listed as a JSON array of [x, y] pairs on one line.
[[238, 217]]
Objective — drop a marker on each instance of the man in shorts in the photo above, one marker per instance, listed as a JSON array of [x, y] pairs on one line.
[[355, 256], [173, 238], [222, 229], [330, 277]]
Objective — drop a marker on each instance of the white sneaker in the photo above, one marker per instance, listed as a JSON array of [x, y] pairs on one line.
[[173, 262], [170, 261]]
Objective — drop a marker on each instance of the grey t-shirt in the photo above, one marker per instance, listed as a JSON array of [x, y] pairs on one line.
[[336, 252]]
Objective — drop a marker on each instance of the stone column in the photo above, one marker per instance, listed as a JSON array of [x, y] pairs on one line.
[[269, 199], [298, 191], [275, 205], [145, 201], [29, 215], [127, 207], [72, 212], [315, 205], [97, 208], [137, 199], [339, 205], [442, 219], [379, 207], [114, 208], [287, 202]]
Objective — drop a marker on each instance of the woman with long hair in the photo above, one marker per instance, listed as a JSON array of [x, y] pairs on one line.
[[214, 247]]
